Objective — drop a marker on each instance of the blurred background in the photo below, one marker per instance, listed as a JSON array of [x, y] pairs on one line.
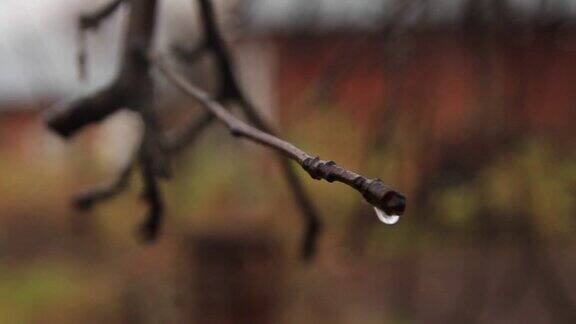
[[466, 106]]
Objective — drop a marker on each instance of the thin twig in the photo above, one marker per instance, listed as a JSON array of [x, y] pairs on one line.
[[174, 143], [89, 21], [82, 56], [151, 194], [93, 19], [373, 190], [88, 198], [190, 54]]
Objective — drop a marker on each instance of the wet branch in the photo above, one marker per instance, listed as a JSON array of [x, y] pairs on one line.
[[373, 190]]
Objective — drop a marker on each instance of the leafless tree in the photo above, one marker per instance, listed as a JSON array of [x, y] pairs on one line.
[[133, 89]]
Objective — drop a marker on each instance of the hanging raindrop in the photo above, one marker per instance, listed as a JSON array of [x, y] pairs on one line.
[[385, 218]]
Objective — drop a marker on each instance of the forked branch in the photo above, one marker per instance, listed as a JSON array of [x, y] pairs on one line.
[[133, 89], [230, 92]]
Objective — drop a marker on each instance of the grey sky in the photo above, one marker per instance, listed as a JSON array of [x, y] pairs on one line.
[[38, 46], [38, 37]]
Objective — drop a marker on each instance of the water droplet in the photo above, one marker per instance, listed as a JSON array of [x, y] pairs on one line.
[[385, 218]]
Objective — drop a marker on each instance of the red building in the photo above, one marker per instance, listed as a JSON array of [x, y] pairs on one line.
[[454, 60]]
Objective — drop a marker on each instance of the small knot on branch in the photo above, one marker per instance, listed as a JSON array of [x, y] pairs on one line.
[[320, 169]]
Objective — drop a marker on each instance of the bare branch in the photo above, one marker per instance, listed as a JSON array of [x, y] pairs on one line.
[[373, 190], [153, 166], [82, 56], [132, 86], [89, 21], [313, 225], [133, 89], [93, 19], [189, 54], [230, 92], [229, 89], [151, 194], [68, 117], [174, 143], [88, 198]]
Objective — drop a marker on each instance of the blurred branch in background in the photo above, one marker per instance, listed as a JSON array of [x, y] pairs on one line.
[[132, 88], [230, 93], [87, 22]]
